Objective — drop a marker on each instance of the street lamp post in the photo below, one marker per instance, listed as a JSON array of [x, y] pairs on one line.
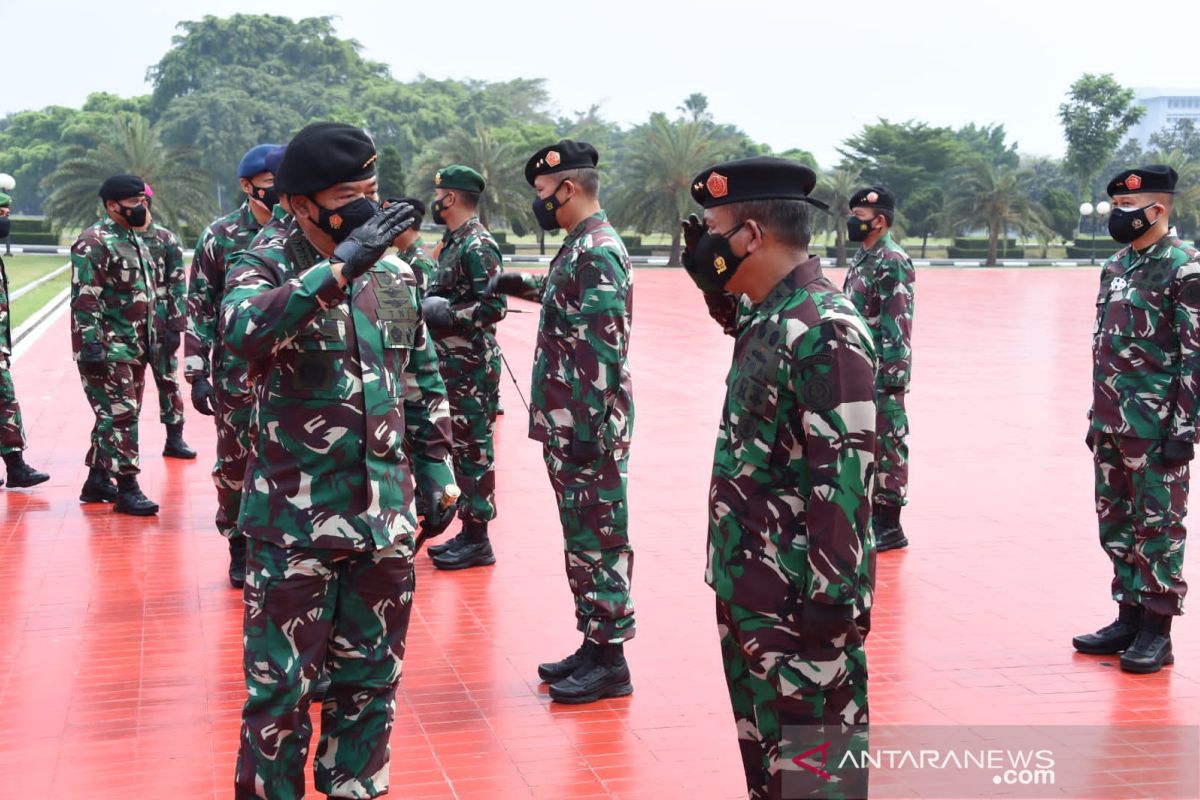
[[1097, 211], [7, 184]]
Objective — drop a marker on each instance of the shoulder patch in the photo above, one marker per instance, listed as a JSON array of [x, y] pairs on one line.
[[818, 392]]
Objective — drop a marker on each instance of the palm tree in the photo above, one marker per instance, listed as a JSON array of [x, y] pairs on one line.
[[662, 158], [994, 197], [836, 188], [181, 188], [505, 196]]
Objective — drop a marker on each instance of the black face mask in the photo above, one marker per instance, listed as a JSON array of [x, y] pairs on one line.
[[857, 230], [436, 212], [714, 262], [1126, 225], [136, 216], [267, 195], [340, 222], [545, 208], [5, 227]]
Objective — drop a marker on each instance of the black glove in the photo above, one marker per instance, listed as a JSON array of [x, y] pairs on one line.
[[582, 452], [826, 622], [368, 242], [1090, 439], [510, 283], [171, 341], [435, 517], [1177, 453], [438, 315], [91, 360], [693, 229], [203, 397]]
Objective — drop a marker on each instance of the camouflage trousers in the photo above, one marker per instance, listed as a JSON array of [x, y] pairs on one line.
[[233, 419], [594, 513], [116, 400], [891, 450], [473, 389], [790, 695], [308, 611], [1141, 504], [12, 431], [170, 398]]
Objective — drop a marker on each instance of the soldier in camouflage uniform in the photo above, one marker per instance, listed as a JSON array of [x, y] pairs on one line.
[[342, 370], [582, 412], [1145, 401], [412, 247], [170, 321], [12, 432], [218, 378], [463, 323], [112, 334], [880, 284], [790, 555]]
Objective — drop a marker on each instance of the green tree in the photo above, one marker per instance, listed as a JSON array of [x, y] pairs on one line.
[[695, 107], [390, 171], [181, 190], [803, 156], [500, 163], [995, 198], [989, 143], [1182, 135], [1096, 115], [835, 189], [1061, 212], [905, 157], [922, 213], [655, 191]]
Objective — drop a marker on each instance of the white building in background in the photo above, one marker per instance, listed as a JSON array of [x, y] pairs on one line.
[[1164, 107]]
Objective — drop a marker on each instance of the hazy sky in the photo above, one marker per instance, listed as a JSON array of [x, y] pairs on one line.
[[792, 74]]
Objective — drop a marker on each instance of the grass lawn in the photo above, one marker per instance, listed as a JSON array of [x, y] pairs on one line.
[[24, 269], [30, 303]]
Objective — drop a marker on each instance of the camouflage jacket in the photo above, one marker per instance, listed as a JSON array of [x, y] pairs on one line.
[[581, 385], [789, 502], [880, 284], [170, 303], [468, 259], [112, 292], [423, 266], [5, 312], [340, 376], [205, 355], [1146, 343]]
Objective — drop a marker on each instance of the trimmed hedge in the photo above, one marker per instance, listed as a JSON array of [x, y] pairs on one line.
[[981, 242], [23, 225], [34, 238], [971, 252]]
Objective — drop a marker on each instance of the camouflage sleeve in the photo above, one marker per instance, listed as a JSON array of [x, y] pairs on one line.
[[176, 286], [834, 383], [603, 291], [534, 288], [479, 263], [203, 307], [261, 314], [1187, 327], [895, 321], [427, 427], [89, 261]]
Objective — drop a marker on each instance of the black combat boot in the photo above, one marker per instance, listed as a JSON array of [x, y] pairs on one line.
[[475, 552], [130, 499], [885, 521], [1151, 649], [554, 671], [176, 447], [453, 543], [604, 673], [98, 488], [21, 474], [1114, 637], [237, 561]]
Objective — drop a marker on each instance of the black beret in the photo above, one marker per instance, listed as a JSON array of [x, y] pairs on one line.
[[560, 157], [759, 178], [873, 197], [325, 154], [1154, 178], [120, 187], [412, 201]]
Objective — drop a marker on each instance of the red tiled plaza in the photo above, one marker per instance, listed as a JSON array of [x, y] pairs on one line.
[[120, 669]]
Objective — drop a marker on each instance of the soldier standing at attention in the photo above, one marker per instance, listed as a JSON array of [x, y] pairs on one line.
[[1145, 387], [170, 321], [12, 432], [463, 323], [582, 411], [112, 334], [789, 544], [412, 247], [880, 284], [218, 378], [341, 369]]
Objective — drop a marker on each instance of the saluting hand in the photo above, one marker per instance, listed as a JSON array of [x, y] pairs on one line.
[[693, 229], [369, 241]]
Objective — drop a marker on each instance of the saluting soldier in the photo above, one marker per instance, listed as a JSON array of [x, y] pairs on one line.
[[789, 543]]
